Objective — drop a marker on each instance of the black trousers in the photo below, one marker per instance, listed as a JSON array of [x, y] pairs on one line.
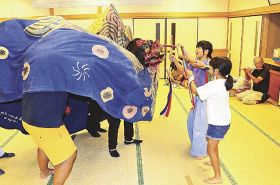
[[114, 125], [97, 115], [128, 131]]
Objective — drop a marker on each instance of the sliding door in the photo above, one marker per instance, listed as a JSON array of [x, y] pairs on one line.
[[251, 40], [215, 31], [182, 31], [234, 44]]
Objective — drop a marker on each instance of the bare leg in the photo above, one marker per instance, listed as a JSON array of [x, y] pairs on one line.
[[212, 149], [62, 170], [43, 162]]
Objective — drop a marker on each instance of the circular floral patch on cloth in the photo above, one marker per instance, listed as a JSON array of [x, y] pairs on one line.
[[107, 94], [147, 92], [100, 51], [25, 71], [129, 111], [145, 110], [4, 53]]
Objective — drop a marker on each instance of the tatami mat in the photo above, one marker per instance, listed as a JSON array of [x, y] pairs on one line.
[[249, 154]]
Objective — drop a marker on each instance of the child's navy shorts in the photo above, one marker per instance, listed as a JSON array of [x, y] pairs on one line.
[[217, 132]]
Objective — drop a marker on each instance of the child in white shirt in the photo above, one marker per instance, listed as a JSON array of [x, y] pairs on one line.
[[216, 95]]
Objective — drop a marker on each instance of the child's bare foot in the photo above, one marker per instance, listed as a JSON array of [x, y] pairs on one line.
[[213, 180], [208, 163], [199, 157], [45, 174], [271, 101]]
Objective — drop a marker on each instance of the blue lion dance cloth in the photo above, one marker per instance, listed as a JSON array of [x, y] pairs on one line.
[[50, 55]]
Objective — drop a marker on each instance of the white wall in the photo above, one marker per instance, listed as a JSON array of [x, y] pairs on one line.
[[75, 11], [236, 5], [23, 8], [20, 8], [82, 23], [167, 6], [180, 6]]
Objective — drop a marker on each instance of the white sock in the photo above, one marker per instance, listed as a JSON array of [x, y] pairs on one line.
[[1, 152]]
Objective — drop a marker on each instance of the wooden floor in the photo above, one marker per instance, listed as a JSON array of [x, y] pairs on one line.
[[250, 153]]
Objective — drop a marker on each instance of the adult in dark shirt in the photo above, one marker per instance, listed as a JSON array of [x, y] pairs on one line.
[[260, 78]]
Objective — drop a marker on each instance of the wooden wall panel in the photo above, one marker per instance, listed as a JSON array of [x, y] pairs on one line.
[[256, 11], [273, 34], [219, 53], [264, 36]]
